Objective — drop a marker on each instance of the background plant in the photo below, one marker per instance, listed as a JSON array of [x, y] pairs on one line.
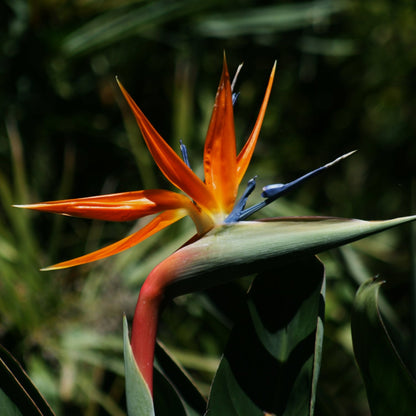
[[345, 77]]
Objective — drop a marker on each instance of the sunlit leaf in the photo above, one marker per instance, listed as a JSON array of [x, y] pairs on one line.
[[275, 18], [390, 387], [272, 360], [123, 22]]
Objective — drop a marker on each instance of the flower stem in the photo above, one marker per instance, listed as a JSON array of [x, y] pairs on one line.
[[145, 322], [146, 315]]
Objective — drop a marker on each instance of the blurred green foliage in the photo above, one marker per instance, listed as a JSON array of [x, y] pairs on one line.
[[346, 75]]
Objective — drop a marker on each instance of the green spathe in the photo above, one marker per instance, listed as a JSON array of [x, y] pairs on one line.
[[233, 250]]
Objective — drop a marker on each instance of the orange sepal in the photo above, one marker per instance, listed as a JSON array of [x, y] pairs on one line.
[[171, 165], [244, 157], [124, 206], [160, 222], [220, 151]]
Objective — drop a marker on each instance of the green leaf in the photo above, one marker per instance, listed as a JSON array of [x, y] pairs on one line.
[[234, 250], [123, 22], [270, 19], [167, 401], [139, 398], [390, 388], [18, 395], [180, 385], [7, 407], [272, 360]]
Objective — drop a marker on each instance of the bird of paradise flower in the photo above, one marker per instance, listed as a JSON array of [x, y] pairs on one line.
[[209, 203]]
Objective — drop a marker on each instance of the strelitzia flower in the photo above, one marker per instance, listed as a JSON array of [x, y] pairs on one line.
[[207, 202], [225, 245]]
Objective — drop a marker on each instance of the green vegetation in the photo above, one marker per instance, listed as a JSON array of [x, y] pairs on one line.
[[345, 78]]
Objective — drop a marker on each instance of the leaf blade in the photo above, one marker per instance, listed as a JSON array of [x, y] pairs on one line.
[[278, 339], [18, 390], [193, 400], [390, 387]]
